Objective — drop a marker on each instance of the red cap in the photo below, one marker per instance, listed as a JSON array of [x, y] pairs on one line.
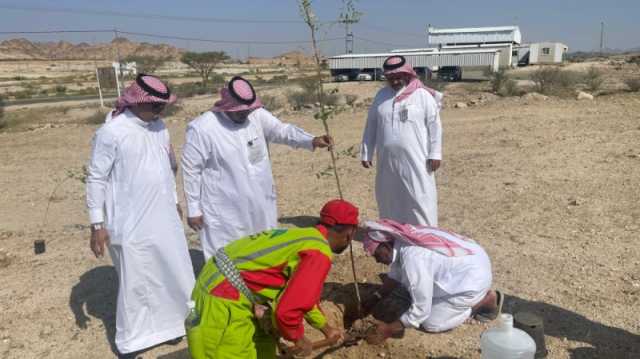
[[339, 211]]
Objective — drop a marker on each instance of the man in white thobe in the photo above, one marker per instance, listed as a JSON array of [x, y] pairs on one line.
[[447, 277], [133, 209], [227, 175], [403, 129]]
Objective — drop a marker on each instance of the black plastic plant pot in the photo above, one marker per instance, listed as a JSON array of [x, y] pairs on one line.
[[39, 246]]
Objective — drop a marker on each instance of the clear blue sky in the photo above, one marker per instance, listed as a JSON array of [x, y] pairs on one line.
[[394, 24]]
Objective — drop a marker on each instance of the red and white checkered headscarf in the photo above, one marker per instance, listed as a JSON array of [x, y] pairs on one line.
[[397, 64], [238, 95], [145, 89], [435, 239]]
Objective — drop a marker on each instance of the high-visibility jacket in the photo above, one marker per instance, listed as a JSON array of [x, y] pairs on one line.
[[285, 266]]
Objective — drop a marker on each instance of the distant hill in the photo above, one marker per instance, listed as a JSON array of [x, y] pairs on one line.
[[23, 49]]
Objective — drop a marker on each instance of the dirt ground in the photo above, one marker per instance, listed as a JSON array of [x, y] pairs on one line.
[[549, 188]]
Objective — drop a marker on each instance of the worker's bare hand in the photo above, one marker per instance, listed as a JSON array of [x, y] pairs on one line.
[[303, 347], [323, 141], [433, 165], [332, 333], [382, 331], [179, 209], [196, 223], [99, 239], [366, 164], [376, 334]]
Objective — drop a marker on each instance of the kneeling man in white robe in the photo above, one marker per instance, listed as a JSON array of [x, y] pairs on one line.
[[132, 203], [437, 279]]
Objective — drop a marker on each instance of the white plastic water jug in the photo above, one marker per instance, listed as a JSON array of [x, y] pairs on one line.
[[506, 342]]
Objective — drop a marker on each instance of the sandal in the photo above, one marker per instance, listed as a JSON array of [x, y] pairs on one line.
[[487, 316]]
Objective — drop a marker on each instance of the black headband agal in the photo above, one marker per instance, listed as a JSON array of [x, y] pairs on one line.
[[236, 96], [388, 67], [150, 90]]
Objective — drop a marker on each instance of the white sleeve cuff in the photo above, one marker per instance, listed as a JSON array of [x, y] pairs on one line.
[[308, 142], [193, 209], [435, 156], [96, 215], [404, 318]]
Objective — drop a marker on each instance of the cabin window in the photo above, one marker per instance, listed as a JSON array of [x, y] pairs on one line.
[[546, 51]]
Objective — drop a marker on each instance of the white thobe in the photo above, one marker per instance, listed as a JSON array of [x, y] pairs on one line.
[[404, 136], [131, 188], [443, 289], [227, 174]]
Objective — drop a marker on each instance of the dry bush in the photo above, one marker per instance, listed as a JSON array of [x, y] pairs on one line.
[[594, 79], [278, 79], [633, 84], [350, 99], [634, 60], [502, 84], [510, 88], [189, 89], [96, 118], [497, 80], [171, 110], [297, 99], [271, 103], [3, 121], [436, 84], [554, 81]]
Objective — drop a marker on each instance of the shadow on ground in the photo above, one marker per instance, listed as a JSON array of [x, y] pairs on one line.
[[180, 354], [95, 296], [605, 341]]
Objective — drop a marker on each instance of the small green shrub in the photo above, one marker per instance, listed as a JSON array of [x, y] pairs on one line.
[[60, 89]]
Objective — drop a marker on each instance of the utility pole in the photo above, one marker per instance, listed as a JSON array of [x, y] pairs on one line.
[[348, 17], [119, 71], [602, 38]]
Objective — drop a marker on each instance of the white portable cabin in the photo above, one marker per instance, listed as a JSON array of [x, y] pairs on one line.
[[547, 53]]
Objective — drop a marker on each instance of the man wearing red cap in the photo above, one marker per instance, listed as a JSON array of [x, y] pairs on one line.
[[227, 170], [403, 129], [132, 199], [282, 269]]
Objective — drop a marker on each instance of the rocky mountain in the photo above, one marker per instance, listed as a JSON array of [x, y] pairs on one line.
[[23, 49]]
